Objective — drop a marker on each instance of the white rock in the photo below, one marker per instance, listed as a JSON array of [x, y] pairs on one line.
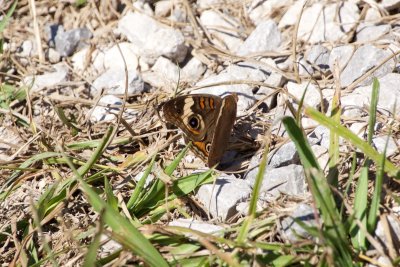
[[193, 70], [104, 110], [113, 81], [305, 68], [365, 58], [380, 143], [360, 129], [291, 15], [389, 93], [28, 49], [266, 37], [104, 59], [312, 97], [109, 246], [48, 79], [153, 39], [203, 4], [323, 22], [200, 226], [144, 7], [224, 30], [368, 33], [291, 230], [9, 143], [394, 228], [162, 8], [318, 56], [221, 199], [112, 58], [321, 135], [149, 178], [107, 109], [372, 14], [169, 71], [262, 10], [322, 155], [390, 4], [241, 71], [353, 104], [342, 54], [53, 56], [289, 180]]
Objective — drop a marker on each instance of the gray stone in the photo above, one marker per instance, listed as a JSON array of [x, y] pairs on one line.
[[322, 135], [380, 143], [220, 200], [365, 58], [200, 226], [321, 22], [342, 54], [368, 33], [382, 233], [48, 79], [288, 180], [292, 231], [312, 97], [265, 37], [66, 42], [223, 30], [318, 56], [152, 38], [389, 93], [285, 155], [113, 81]]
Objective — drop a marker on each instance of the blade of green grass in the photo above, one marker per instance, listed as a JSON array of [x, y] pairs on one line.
[[111, 199], [345, 133], [333, 174], [91, 254], [6, 18], [243, 234], [123, 230], [321, 191], [140, 185]]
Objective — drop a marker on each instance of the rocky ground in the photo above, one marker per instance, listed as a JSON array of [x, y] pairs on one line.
[[70, 70]]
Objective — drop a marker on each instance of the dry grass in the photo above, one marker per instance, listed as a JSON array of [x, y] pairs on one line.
[[68, 227]]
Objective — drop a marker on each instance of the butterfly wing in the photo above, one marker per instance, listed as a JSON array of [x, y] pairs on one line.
[[195, 115]]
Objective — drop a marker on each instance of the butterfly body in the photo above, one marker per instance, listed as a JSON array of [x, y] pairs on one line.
[[206, 120]]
